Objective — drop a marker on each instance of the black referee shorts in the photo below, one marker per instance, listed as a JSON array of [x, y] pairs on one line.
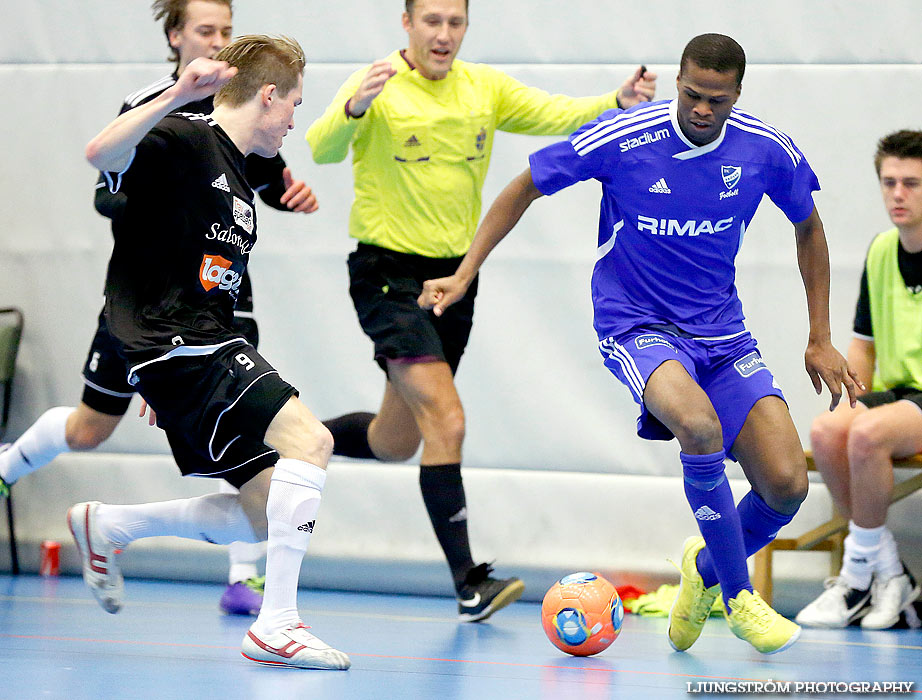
[[385, 285], [873, 399], [215, 410]]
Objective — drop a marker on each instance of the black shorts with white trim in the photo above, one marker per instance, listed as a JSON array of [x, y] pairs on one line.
[[215, 410]]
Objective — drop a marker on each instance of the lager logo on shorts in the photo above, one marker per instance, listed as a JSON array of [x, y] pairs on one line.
[[243, 214], [750, 364], [217, 272], [645, 341]]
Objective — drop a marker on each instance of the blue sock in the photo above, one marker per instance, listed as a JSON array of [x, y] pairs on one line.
[[760, 523], [709, 495]]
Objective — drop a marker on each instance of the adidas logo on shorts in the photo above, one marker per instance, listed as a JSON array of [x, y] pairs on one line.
[[660, 187], [705, 513]]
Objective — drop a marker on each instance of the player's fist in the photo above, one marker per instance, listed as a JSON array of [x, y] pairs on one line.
[[298, 197], [203, 77], [441, 293]]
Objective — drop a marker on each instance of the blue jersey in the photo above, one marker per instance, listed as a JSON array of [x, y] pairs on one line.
[[673, 214]]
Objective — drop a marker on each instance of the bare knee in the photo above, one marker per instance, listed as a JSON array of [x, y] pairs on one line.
[[394, 448], [316, 443], [454, 425], [699, 434], [448, 426], [86, 435], [828, 435], [296, 434], [785, 489], [866, 441]]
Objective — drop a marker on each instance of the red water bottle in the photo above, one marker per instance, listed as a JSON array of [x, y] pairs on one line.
[[50, 561]]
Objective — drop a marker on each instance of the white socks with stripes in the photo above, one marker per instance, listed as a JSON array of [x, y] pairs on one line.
[[40, 444], [294, 499]]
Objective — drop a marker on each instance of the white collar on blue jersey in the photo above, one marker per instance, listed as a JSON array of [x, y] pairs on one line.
[[694, 151]]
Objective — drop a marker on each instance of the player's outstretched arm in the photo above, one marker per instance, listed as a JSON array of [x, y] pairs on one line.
[[111, 149], [823, 362], [639, 87], [505, 213]]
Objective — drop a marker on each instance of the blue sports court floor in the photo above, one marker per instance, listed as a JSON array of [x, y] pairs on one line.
[[171, 642]]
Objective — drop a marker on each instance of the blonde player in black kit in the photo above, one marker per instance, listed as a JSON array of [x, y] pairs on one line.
[[175, 272], [193, 29]]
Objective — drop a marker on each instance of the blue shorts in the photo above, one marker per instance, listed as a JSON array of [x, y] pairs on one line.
[[730, 370]]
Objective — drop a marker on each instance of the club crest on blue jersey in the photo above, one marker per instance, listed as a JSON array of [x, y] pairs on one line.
[[731, 175], [750, 364], [645, 341]]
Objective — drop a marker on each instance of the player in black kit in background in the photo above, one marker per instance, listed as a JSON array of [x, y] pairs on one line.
[[170, 292], [193, 28]]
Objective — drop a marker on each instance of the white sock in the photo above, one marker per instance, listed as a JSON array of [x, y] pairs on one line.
[[861, 550], [40, 444], [888, 558], [217, 518], [243, 555], [291, 508]]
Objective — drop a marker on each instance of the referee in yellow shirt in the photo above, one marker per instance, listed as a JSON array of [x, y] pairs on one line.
[[421, 127]]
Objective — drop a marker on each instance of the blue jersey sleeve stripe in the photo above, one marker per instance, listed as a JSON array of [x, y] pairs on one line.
[[755, 121], [623, 119], [620, 130], [792, 154]]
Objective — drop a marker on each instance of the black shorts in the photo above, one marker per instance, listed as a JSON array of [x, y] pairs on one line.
[[105, 372], [385, 286], [215, 410], [873, 399]]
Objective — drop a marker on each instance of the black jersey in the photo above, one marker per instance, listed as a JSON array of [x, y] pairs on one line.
[[910, 265], [182, 243], [263, 174]]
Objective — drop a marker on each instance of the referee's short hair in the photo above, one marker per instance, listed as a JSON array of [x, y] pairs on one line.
[[174, 16], [260, 60], [900, 144], [715, 52]]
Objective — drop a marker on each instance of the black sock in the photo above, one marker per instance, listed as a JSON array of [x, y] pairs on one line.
[[350, 435], [443, 493]]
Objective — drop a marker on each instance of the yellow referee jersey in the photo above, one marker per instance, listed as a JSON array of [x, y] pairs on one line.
[[421, 151]]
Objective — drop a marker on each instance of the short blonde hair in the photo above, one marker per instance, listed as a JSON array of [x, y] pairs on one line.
[[260, 60]]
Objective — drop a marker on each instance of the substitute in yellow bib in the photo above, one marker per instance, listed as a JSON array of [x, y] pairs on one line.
[[421, 125], [854, 448]]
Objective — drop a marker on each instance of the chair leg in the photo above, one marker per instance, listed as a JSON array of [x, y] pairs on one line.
[[14, 552]]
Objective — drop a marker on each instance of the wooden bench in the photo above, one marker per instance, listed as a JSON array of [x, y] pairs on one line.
[[828, 537]]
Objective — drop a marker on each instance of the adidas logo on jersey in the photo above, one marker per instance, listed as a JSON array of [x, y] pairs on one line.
[[220, 183], [412, 141], [660, 187], [705, 513]]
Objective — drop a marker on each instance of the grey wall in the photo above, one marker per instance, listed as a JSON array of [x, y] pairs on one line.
[[835, 75]]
